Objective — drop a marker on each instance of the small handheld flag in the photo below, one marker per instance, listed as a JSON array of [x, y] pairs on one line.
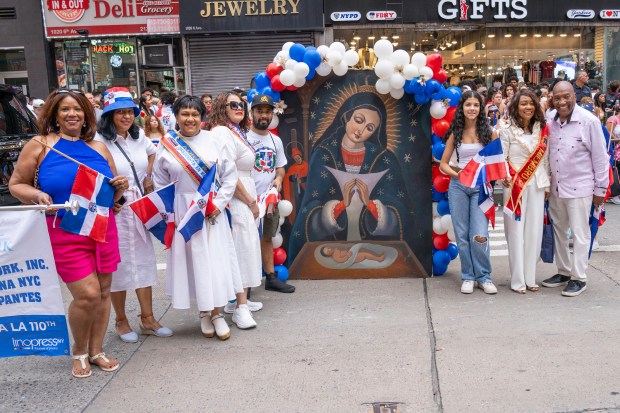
[[156, 211], [201, 206]]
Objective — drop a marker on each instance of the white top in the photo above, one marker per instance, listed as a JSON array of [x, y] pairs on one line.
[[466, 152], [269, 156], [168, 120]]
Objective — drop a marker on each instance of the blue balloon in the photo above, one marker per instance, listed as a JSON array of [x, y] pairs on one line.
[[441, 260], [297, 51], [440, 94], [438, 196], [311, 74], [275, 96], [262, 80], [417, 86], [251, 93], [438, 149], [443, 208], [432, 86], [421, 98], [282, 272], [312, 58], [452, 250], [453, 93], [267, 90], [435, 139]]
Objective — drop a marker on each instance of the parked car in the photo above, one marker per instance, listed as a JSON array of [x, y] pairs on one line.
[[17, 126]]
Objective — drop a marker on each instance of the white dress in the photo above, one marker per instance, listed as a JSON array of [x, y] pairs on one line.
[[244, 228], [138, 266], [204, 269]]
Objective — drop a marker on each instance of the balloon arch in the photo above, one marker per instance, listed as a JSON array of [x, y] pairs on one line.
[[399, 73]]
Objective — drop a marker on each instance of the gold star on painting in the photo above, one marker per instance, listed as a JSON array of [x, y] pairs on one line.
[[328, 85], [407, 158], [312, 115], [413, 122], [412, 138], [316, 100], [410, 105]]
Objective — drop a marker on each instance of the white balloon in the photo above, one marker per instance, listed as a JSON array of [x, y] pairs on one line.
[[451, 234], [438, 227], [397, 93], [351, 58], [400, 58], [446, 222], [435, 213], [341, 69], [383, 49], [397, 81], [384, 69], [277, 240], [275, 121], [418, 59], [290, 64], [281, 221], [410, 71], [285, 208], [427, 72], [338, 47], [299, 82], [282, 56], [334, 57], [324, 69], [301, 69], [287, 77], [287, 46], [323, 50], [438, 109], [383, 86]]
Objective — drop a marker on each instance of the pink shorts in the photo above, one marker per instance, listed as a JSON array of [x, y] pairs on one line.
[[78, 256]]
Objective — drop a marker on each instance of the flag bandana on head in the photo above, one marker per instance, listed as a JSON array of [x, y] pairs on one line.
[[95, 195], [116, 94], [201, 206], [156, 212], [488, 165]]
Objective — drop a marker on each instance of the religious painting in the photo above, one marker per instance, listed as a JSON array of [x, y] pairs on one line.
[[365, 206]]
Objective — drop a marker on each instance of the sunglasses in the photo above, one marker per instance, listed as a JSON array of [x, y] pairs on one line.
[[61, 91], [236, 105]]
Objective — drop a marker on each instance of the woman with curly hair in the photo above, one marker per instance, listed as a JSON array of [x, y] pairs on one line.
[[153, 129], [468, 134]]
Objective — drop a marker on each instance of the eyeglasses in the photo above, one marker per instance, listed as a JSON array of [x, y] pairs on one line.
[[61, 91], [236, 105]]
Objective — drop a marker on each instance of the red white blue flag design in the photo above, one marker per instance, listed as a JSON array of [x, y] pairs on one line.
[[201, 206], [488, 165], [95, 196], [156, 211]]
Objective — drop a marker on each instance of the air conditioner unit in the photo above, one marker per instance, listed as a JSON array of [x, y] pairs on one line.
[[157, 55]]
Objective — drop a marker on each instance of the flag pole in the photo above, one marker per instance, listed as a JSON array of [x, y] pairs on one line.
[[72, 206]]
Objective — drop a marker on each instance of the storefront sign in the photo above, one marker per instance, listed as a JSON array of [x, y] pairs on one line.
[[610, 14], [116, 48], [381, 15], [250, 15], [63, 18], [580, 14], [116, 60], [477, 9], [346, 16]]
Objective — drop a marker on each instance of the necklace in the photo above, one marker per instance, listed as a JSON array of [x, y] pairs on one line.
[[70, 138]]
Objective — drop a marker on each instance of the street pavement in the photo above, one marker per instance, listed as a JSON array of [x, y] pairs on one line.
[[401, 345]]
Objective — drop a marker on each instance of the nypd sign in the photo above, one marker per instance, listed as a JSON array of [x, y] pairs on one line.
[[346, 16]]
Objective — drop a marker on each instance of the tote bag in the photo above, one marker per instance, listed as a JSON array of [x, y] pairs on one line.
[[546, 251]]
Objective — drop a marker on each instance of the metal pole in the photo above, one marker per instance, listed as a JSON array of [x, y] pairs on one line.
[[72, 206]]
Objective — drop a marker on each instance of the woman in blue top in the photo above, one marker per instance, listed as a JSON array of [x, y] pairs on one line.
[[45, 177]]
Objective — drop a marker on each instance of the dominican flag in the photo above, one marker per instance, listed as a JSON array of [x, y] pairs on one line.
[[95, 195], [156, 211], [488, 165], [200, 207]]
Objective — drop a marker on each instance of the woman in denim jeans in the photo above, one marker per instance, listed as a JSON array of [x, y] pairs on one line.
[[468, 134]]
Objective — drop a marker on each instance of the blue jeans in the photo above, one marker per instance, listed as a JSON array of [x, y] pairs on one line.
[[470, 222]]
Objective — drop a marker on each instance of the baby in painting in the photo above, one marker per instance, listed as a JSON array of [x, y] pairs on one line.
[[341, 255]]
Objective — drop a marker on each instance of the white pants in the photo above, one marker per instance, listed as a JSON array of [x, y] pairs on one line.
[[573, 213], [525, 237]]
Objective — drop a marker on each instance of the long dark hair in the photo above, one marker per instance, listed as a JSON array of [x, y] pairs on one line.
[[143, 106], [598, 104], [218, 116], [483, 129], [47, 120], [513, 110], [106, 127]]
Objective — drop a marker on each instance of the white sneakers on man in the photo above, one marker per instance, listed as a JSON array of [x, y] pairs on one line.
[[467, 287], [229, 308], [242, 317]]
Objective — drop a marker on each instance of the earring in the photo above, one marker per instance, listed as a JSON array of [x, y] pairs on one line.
[[57, 125], [84, 125]]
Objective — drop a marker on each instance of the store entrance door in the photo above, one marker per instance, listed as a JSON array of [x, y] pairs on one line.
[[19, 78]]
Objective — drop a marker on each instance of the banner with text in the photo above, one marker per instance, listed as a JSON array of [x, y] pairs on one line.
[[32, 317]]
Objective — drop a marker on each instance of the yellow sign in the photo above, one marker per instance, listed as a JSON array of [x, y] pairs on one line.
[[249, 8]]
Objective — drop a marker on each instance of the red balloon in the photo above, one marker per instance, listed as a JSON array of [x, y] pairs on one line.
[[276, 84], [279, 255], [273, 69], [435, 171], [441, 242], [450, 114], [441, 76], [434, 62], [292, 88], [441, 127], [441, 182]]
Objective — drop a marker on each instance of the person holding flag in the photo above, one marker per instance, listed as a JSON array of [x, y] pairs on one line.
[[468, 134], [202, 262], [524, 140], [66, 162], [133, 155]]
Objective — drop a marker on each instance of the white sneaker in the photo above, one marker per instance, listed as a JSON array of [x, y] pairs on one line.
[[467, 287], [488, 287], [229, 308], [221, 327], [595, 245], [614, 200], [242, 317], [206, 326]]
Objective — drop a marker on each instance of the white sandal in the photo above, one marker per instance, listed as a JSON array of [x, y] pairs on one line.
[[103, 357], [221, 327], [82, 359]]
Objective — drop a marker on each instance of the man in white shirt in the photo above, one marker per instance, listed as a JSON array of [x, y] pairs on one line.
[[268, 172]]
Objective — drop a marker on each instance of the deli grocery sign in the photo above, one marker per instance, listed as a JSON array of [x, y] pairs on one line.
[[63, 18]]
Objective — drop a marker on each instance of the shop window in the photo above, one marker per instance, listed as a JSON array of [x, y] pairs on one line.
[[114, 64], [12, 60]]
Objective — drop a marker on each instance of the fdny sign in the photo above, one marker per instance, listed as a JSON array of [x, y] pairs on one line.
[[346, 16], [580, 14], [610, 14], [381, 15]]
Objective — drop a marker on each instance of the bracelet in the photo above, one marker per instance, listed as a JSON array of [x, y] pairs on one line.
[[148, 175]]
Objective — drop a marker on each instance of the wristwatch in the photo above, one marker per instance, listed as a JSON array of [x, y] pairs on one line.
[[148, 175]]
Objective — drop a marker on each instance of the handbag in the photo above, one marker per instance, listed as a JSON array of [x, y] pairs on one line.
[[547, 247]]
